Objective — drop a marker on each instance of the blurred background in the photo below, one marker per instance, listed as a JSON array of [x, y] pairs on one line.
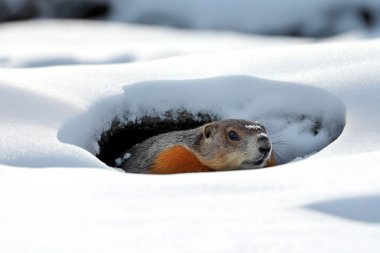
[[39, 33], [301, 18]]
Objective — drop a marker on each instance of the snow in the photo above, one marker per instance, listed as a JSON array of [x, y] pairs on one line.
[[56, 196], [67, 45], [253, 127], [119, 161], [263, 135]]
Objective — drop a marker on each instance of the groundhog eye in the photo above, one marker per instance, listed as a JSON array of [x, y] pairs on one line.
[[233, 136]]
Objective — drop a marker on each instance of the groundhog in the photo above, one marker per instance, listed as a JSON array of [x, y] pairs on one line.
[[217, 146]]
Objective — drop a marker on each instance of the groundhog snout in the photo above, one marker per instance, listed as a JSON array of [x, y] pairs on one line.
[[264, 145]]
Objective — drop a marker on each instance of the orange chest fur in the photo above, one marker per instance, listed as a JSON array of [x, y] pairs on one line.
[[272, 161], [177, 159]]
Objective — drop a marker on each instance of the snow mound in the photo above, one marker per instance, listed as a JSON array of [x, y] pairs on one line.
[[298, 122], [62, 42]]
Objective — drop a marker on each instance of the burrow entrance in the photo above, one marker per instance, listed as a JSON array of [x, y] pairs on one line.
[[122, 136]]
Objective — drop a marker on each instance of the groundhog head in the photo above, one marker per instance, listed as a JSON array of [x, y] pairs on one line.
[[234, 144]]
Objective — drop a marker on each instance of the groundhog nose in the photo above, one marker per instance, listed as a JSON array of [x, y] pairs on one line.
[[264, 149], [265, 145]]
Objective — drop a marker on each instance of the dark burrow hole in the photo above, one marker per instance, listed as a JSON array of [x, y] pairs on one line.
[[83, 9], [123, 134]]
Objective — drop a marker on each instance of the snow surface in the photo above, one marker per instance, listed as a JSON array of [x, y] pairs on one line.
[[56, 196], [73, 42]]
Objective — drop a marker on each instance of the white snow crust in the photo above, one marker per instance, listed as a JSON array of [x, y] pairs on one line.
[[56, 196]]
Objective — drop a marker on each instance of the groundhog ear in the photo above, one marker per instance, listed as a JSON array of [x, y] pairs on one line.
[[207, 131]]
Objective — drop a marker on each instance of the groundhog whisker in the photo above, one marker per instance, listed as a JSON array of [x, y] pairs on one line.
[[281, 142], [281, 149], [277, 152], [279, 155], [279, 138], [281, 133], [287, 143]]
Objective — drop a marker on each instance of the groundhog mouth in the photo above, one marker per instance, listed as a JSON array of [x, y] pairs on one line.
[[258, 161]]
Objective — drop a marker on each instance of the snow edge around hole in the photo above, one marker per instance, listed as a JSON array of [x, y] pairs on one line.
[[301, 120]]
